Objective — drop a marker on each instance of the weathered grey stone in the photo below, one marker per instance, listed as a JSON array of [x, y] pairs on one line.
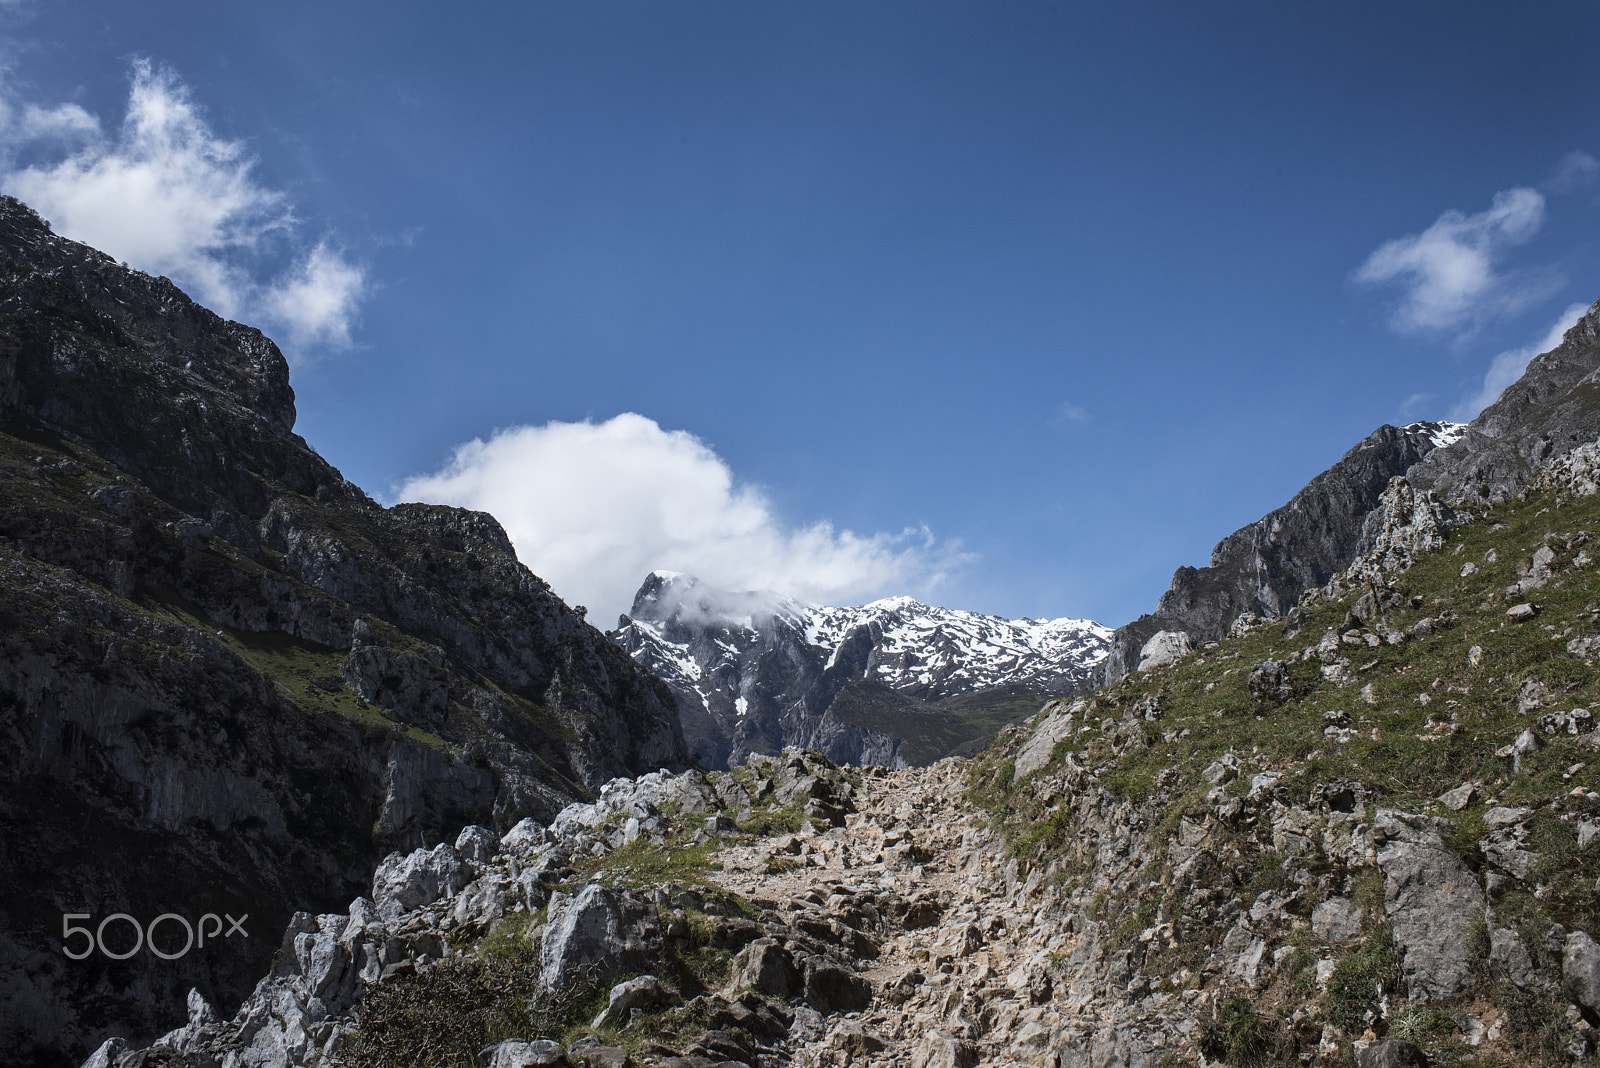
[[1510, 958], [403, 883], [1505, 852], [514, 1053], [1392, 1053], [591, 937], [1580, 971], [527, 836], [940, 1050], [1163, 648], [1269, 681], [831, 988], [106, 1055], [1056, 727], [1433, 903], [1584, 648], [1459, 798], [767, 968], [1500, 816], [1337, 920], [477, 844], [643, 992]]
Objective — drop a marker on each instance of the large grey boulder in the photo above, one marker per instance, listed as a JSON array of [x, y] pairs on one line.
[[767, 968], [403, 883], [1433, 902], [592, 937], [1163, 648], [477, 845]]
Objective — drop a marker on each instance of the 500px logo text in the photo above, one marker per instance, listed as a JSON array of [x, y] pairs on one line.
[[172, 926]]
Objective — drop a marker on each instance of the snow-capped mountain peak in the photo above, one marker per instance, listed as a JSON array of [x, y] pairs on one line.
[[755, 670]]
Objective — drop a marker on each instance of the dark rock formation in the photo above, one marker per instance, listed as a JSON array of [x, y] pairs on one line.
[[229, 681], [1263, 568], [1552, 408]]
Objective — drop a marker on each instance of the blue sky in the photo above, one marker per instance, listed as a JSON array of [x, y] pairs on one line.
[[1015, 307]]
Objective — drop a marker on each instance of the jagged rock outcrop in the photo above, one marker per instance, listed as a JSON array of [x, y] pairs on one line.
[[1262, 569], [893, 682], [229, 680], [1552, 408]]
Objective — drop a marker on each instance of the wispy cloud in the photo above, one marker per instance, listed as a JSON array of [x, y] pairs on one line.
[[594, 507], [1067, 412], [1414, 407], [1447, 275], [1507, 367], [167, 195], [1577, 170]]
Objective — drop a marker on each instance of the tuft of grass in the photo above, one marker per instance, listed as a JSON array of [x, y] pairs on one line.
[[1353, 989], [1239, 1036], [642, 865]]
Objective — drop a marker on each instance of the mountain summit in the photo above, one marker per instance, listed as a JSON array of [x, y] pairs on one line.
[[892, 682]]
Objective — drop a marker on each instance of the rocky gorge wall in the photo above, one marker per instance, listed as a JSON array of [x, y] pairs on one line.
[[230, 681]]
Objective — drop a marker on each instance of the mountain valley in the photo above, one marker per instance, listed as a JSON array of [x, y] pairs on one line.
[[1336, 801]]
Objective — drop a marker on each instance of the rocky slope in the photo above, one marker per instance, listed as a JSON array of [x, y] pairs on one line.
[[893, 682], [230, 681]]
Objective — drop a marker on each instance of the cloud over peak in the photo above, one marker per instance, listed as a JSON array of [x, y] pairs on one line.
[[167, 195], [594, 507]]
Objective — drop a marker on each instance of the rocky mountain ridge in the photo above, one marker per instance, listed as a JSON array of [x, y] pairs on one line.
[[1260, 570], [893, 682], [221, 658]]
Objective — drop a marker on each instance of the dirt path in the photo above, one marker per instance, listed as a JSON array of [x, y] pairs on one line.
[[958, 964]]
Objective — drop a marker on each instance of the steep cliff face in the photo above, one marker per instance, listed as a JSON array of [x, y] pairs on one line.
[[230, 681], [893, 682], [1262, 568], [1552, 408]]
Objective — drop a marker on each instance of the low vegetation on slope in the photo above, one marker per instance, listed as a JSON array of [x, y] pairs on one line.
[[1252, 775]]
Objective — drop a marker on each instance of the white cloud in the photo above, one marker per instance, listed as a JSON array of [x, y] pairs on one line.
[[1447, 273], [167, 195], [1507, 367], [317, 301], [595, 507]]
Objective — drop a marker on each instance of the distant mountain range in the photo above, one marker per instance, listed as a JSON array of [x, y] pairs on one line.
[[892, 682]]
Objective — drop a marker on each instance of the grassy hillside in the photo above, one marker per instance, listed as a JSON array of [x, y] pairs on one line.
[[1387, 702]]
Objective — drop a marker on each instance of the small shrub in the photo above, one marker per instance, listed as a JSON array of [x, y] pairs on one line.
[[1239, 1036]]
